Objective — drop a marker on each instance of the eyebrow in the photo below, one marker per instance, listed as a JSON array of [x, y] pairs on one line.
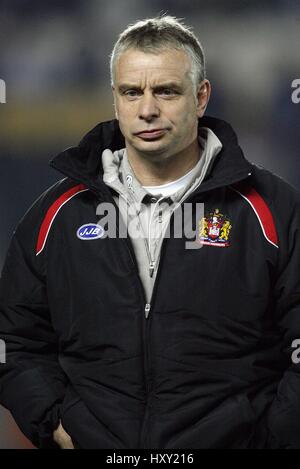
[[167, 84]]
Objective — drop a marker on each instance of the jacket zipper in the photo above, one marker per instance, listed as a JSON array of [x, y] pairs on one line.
[[147, 310], [144, 431], [145, 332], [146, 325]]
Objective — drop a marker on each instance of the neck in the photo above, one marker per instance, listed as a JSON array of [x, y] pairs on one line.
[[155, 173]]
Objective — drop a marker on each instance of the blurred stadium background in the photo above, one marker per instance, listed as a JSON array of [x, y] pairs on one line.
[[54, 60]]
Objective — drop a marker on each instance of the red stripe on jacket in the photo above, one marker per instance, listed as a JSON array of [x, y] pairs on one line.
[[261, 210], [52, 212]]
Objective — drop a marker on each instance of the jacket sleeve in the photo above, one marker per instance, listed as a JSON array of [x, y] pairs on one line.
[[283, 418], [32, 383]]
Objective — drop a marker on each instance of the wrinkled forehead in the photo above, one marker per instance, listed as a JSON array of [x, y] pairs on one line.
[[168, 64]]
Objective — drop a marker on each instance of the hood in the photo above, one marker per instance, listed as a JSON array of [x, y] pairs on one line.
[[84, 163]]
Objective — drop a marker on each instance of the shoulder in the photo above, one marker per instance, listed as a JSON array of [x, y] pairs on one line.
[[275, 189], [267, 189], [275, 202], [283, 201], [52, 198]]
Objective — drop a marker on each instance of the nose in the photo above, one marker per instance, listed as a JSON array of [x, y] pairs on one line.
[[148, 107]]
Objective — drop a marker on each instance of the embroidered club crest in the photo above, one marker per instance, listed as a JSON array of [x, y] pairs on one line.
[[214, 229]]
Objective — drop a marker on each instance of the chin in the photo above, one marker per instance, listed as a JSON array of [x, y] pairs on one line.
[[152, 150], [155, 156]]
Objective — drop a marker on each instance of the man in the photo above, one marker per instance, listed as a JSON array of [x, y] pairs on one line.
[[138, 341]]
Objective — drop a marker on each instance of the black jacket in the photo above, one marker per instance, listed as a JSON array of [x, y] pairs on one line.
[[211, 366]]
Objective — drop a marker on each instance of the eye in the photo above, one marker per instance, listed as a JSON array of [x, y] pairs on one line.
[[167, 92], [132, 93]]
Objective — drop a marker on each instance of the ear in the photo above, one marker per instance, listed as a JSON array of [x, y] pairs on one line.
[[115, 106], [203, 95]]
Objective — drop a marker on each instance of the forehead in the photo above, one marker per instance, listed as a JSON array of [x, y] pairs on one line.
[[168, 64]]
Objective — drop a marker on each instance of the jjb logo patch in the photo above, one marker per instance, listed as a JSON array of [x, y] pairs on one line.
[[90, 231], [214, 229]]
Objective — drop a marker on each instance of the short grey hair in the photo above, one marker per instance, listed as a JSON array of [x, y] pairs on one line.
[[156, 34]]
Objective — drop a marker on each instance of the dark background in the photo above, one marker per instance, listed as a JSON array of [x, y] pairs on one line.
[[54, 58]]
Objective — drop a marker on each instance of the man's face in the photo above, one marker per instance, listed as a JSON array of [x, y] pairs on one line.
[[155, 102]]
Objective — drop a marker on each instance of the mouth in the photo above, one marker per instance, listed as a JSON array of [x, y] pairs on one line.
[[151, 134]]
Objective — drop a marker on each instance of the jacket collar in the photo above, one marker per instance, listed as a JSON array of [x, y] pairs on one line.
[[83, 163]]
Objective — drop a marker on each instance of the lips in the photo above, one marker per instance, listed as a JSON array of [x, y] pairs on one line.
[[151, 134]]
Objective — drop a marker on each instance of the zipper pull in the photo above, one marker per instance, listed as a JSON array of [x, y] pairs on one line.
[[147, 310], [151, 268]]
